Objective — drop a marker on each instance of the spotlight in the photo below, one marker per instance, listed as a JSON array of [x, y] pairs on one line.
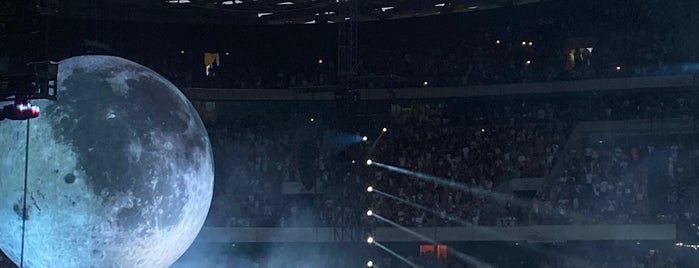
[[528, 62], [482, 129], [370, 189], [313, 119], [370, 240], [618, 68], [497, 41], [370, 264], [425, 83], [369, 162], [353, 162], [384, 130], [365, 138], [369, 213], [320, 61]]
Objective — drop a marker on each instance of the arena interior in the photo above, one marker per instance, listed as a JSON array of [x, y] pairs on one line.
[[418, 133]]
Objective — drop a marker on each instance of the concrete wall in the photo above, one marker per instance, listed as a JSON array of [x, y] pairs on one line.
[[678, 81], [540, 233]]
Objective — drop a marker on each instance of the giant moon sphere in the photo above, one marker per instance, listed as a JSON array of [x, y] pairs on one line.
[[120, 171]]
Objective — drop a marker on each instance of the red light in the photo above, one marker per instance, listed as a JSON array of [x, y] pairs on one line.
[[35, 111], [20, 111]]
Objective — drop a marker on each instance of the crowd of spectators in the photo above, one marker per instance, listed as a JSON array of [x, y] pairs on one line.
[[478, 156], [486, 146], [611, 185], [548, 42], [482, 143], [252, 161], [255, 167], [257, 155]]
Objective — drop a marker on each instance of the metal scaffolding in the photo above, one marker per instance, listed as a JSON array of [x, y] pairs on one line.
[[346, 95], [347, 44]]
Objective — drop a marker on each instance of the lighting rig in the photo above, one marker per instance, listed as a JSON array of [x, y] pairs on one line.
[[21, 88]]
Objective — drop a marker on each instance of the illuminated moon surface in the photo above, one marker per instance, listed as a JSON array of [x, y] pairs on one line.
[[120, 171]]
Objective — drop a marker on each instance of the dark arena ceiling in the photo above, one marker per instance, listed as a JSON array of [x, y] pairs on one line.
[[261, 11]]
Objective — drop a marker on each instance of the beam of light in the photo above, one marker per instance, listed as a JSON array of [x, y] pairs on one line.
[[463, 222], [442, 215], [418, 206], [376, 141], [412, 264], [496, 196], [337, 140], [463, 256], [405, 229], [443, 181], [468, 224]]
